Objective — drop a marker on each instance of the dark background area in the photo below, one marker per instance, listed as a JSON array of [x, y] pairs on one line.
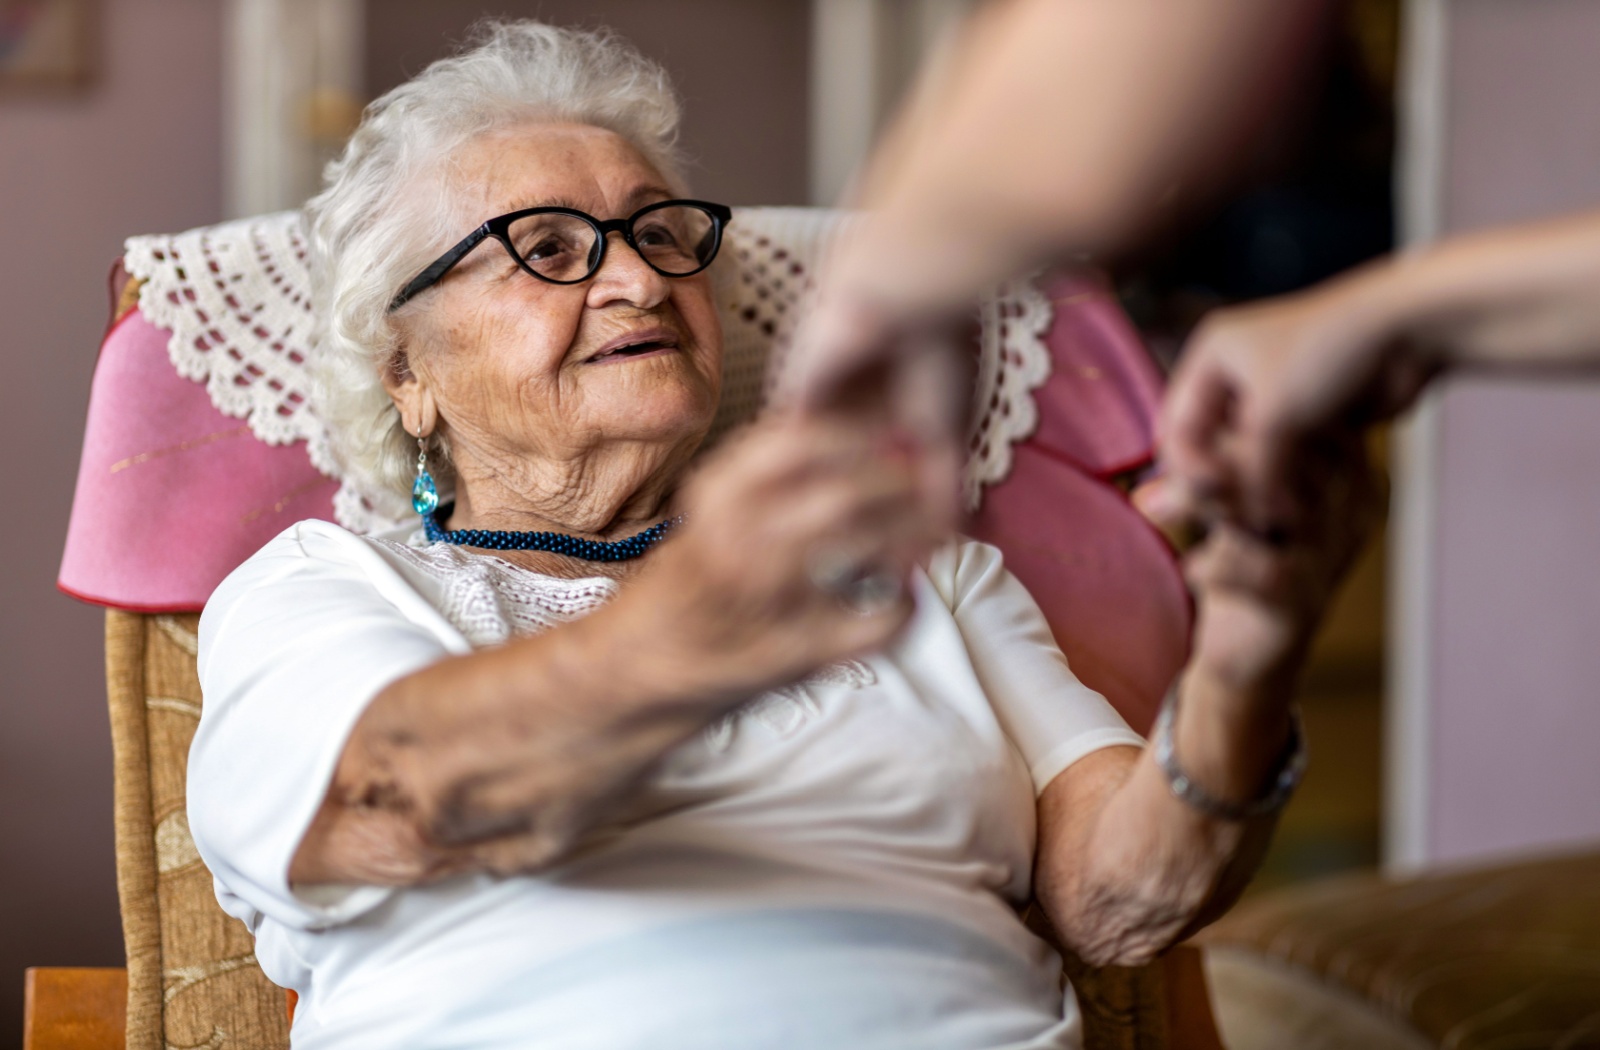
[[1314, 196]]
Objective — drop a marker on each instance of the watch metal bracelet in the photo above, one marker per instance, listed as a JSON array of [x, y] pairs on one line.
[[1290, 770]]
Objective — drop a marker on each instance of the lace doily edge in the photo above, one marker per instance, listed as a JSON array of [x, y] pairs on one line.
[[151, 259], [1026, 336]]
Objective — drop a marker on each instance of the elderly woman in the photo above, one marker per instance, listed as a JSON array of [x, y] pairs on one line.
[[527, 776]]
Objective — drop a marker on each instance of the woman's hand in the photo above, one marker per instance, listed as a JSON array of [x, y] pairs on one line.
[[741, 592], [1125, 868], [1260, 597]]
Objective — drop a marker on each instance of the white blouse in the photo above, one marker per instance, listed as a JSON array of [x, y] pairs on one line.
[[834, 865]]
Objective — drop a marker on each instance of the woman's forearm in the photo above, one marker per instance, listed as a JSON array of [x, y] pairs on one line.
[[500, 760], [1138, 869], [1127, 868]]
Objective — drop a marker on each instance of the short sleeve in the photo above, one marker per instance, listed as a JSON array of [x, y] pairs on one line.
[[293, 646], [1052, 718]]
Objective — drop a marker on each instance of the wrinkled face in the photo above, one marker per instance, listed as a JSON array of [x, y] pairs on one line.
[[521, 370]]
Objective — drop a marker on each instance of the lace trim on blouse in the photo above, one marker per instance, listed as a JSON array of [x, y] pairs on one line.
[[490, 601]]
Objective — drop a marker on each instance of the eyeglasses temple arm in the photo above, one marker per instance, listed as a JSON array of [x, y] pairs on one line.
[[439, 267]]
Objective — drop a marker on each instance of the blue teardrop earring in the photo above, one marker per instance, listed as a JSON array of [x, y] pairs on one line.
[[424, 493]]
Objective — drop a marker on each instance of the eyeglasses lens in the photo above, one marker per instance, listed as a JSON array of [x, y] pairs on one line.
[[675, 240], [559, 247]]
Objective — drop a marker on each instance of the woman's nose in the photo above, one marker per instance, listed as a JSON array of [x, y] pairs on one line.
[[625, 276]]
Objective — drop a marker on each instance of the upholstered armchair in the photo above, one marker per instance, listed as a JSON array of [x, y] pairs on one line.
[[201, 445]]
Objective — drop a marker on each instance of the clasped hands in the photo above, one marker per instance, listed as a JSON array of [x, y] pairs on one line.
[[1269, 535], [814, 515]]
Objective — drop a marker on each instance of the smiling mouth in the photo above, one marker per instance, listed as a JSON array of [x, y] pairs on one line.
[[642, 348]]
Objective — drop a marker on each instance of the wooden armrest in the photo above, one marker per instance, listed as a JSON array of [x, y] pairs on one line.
[[75, 1008], [1190, 1022]]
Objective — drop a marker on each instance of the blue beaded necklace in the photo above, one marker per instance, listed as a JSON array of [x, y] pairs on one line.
[[555, 542]]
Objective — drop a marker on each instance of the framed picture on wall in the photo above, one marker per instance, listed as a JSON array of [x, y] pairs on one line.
[[46, 43]]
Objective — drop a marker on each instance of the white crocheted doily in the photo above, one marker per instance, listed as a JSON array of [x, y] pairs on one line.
[[236, 298]]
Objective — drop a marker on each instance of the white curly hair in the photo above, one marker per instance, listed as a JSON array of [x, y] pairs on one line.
[[371, 229]]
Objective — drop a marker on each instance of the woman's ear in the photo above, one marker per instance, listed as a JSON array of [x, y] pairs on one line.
[[412, 396]]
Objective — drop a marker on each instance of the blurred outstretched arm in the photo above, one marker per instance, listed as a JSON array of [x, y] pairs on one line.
[[1049, 128], [1261, 384]]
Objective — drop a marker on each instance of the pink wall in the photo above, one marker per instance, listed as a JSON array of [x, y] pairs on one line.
[[1517, 710], [139, 151], [1522, 139], [1515, 704]]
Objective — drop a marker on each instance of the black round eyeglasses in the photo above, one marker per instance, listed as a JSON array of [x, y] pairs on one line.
[[676, 238]]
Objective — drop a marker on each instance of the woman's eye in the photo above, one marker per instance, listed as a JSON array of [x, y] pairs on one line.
[[549, 248], [655, 237]]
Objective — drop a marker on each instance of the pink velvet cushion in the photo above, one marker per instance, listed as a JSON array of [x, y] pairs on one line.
[[172, 495], [1098, 408], [1104, 578], [1106, 581]]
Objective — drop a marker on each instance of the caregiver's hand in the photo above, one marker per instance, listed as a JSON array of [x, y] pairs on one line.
[[756, 588], [1258, 383]]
